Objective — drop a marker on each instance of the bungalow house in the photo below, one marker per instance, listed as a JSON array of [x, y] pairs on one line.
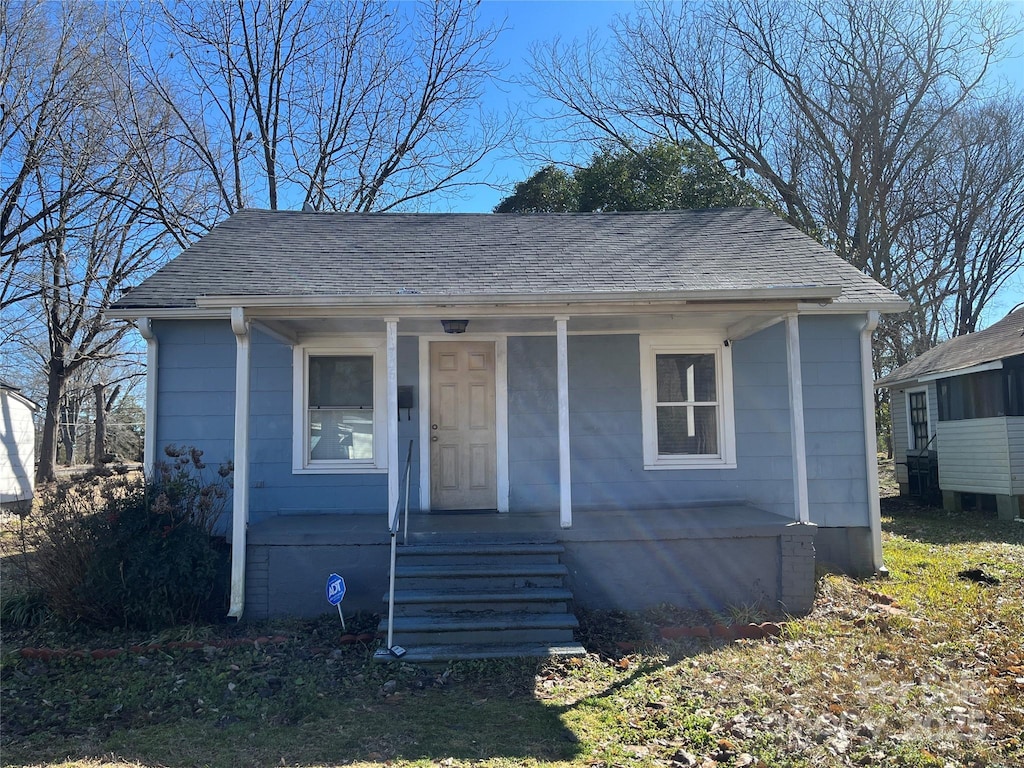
[[617, 409], [17, 447], [958, 419]]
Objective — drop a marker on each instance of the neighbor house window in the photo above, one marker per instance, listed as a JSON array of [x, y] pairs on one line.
[[339, 410], [917, 414], [982, 395], [686, 398]]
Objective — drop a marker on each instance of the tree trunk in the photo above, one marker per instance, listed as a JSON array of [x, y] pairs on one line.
[[99, 453], [48, 444], [67, 429]]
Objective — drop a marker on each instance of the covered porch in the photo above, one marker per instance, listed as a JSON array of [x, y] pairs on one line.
[[607, 536]]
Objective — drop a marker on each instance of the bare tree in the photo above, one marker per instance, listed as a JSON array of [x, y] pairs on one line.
[[94, 186], [841, 107], [349, 105], [977, 232], [48, 82]]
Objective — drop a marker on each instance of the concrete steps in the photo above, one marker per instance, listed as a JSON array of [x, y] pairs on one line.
[[480, 601]]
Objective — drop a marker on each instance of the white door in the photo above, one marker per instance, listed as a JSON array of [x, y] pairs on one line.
[[462, 426]]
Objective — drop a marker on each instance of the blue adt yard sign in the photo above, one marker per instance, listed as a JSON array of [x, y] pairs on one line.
[[335, 594], [335, 589]]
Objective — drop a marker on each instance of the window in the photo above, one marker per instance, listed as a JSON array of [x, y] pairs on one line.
[[687, 404], [917, 415], [981, 395], [339, 409]]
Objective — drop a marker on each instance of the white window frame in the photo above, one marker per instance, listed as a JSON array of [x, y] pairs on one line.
[[691, 344], [362, 346], [927, 410]]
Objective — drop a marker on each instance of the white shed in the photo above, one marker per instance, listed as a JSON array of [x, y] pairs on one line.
[[18, 438]]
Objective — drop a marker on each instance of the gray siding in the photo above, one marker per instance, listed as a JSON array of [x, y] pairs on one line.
[[974, 456], [834, 420], [606, 429], [197, 405], [196, 387], [196, 391], [532, 423]]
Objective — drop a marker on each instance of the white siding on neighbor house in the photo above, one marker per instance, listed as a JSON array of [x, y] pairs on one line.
[[898, 416], [17, 454], [901, 423], [1015, 440], [974, 456]]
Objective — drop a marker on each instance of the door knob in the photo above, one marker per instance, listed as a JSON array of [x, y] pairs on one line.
[[433, 438]]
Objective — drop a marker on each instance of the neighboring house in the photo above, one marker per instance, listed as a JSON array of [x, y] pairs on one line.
[[18, 456], [681, 401], [958, 419]]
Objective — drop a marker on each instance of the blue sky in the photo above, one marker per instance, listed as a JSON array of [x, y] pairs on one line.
[[528, 21]]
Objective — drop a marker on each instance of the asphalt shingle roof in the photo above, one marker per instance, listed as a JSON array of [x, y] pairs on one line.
[[293, 253], [998, 341]]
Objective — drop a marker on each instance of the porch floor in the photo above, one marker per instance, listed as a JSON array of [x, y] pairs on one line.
[[682, 522]]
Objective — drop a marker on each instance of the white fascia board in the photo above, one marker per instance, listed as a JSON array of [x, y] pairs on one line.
[[854, 308], [995, 365], [632, 298], [171, 313]]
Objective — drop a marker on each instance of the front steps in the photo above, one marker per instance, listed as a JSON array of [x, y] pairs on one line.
[[481, 601]]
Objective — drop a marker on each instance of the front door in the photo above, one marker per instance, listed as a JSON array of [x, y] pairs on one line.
[[462, 425]]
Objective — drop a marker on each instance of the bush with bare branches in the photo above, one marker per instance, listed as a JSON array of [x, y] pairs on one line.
[[124, 552]]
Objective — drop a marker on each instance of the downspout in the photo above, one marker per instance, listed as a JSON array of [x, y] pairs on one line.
[[145, 326], [240, 497], [867, 385]]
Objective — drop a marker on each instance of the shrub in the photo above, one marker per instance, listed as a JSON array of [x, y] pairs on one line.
[[22, 610], [122, 552]]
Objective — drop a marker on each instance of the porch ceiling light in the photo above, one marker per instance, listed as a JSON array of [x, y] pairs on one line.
[[454, 326]]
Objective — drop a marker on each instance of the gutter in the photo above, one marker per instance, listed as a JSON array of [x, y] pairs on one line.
[[867, 386]]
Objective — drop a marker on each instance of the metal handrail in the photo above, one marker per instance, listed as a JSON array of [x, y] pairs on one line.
[[393, 528]]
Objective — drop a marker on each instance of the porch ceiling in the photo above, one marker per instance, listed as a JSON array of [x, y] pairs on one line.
[[732, 323]]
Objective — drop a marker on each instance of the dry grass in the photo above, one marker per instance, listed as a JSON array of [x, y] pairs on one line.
[[922, 670]]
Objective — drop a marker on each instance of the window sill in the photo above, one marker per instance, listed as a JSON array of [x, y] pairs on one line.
[[335, 470], [692, 464]]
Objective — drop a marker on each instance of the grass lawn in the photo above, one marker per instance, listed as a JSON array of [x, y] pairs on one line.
[[923, 669]]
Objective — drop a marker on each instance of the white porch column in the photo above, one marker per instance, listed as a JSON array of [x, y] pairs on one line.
[[240, 496], [564, 478], [796, 419], [145, 327], [392, 365], [867, 385]]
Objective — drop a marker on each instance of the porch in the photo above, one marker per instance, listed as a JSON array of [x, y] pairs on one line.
[[704, 557]]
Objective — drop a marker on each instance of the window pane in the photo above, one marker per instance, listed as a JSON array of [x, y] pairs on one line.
[[686, 378], [985, 395], [919, 419], [340, 433], [687, 430], [1015, 392], [342, 381]]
